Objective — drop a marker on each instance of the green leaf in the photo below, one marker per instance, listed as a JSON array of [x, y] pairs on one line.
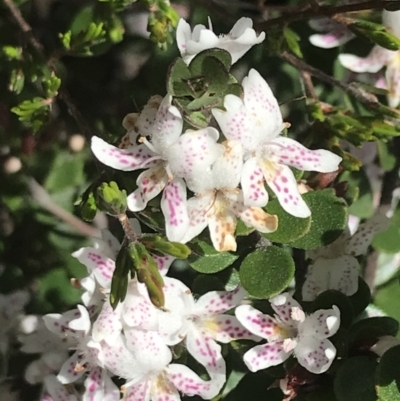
[[290, 228], [328, 219], [373, 327], [266, 272], [205, 259], [292, 40], [160, 244], [388, 375], [178, 71], [386, 158], [216, 74], [362, 298], [119, 283], [196, 65], [354, 380]]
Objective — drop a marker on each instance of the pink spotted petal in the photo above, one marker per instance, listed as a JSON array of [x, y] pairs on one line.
[[190, 384], [150, 183], [59, 324], [283, 305], [323, 323], [174, 207], [139, 392], [236, 123], [264, 356], [198, 208], [56, 390], [358, 244], [129, 159], [120, 361], [102, 266], [206, 351], [393, 83], [261, 325], [332, 39], [372, 63], [193, 152], [138, 311], [108, 324], [148, 348], [261, 103], [72, 369], [100, 387], [315, 355], [222, 225], [339, 274], [287, 151], [228, 328], [217, 302], [183, 35], [168, 125], [255, 216], [281, 180], [81, 321], [164, 390], [252, 182], [179, 303], [163, 263]]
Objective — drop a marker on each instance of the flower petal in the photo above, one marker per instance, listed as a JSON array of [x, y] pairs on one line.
[[148, 348], [323, 323], [332, 39], [174, 207], [168, 125], [183, 35], [190, 384], [255, 217], [228, 328], [72, 369], [138, 311], [59, 324], [372, 63], [360, 241], [281, 180], [206, 351], [139, 392], [129, 159], [315, 355], [56, 390], [198, 207], [163, 262], [339, 274], [217, 302], [100, 387], [193, 152], [178, 304], [252, 182], [150, 183], [291, 153], [222, 225], [265, 355], [261, 325], [102, 266], [283, 305], [108, 324]]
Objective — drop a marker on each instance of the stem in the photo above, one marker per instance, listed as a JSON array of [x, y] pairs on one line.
[[313, 10], [126, 226], [368, 99], [40, 195]]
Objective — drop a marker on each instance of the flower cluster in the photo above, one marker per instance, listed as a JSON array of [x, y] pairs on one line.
[[227, 178]]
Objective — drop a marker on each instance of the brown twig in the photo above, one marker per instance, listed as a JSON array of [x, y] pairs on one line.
[[309, 86], [368, 99], [313, 11]]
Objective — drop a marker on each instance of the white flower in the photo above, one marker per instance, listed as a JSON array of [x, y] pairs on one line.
[[237, 42], [335, 266], [332, 34], [380, 57], [218, 202], [291, 331], [256, 122], [168, 158]]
